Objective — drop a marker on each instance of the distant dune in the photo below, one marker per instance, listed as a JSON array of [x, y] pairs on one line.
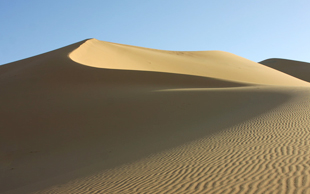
[[101, 117], [297, 69]]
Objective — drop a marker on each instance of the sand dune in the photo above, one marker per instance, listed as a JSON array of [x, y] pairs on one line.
[[212, 64], [297, 69], [100, 117]]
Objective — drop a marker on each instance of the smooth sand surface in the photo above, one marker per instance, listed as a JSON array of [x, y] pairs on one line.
[[100, 117], [297, 69]]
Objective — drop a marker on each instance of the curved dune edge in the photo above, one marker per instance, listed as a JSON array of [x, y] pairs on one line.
[[298, 69], [213, 64]]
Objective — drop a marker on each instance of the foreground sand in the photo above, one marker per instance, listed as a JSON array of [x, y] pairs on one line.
[[98, 117]]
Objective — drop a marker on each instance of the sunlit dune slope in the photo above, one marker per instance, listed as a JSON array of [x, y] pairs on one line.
[[297, 69], [212, 64]]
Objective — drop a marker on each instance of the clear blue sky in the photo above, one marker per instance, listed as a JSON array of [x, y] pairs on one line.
[[254, 29]]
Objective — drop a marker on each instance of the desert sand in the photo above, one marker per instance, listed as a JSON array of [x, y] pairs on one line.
[[101, 117]]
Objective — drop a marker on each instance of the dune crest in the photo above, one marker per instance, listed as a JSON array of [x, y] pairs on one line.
[[213, 64]]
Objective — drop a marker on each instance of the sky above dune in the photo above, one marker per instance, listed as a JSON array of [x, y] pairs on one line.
[[256, 30]]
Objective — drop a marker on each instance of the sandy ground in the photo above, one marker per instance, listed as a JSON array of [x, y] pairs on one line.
[[100, 117]]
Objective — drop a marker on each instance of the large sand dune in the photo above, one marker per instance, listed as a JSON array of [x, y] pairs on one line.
[[99, 117]]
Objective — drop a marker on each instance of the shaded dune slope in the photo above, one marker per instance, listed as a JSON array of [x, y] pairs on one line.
[[297, 69], [94, 105], [265, 154]]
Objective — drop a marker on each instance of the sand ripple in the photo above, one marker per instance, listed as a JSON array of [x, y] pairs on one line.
[[268, 154]]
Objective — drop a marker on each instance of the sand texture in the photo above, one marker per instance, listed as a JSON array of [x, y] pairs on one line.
[[100, 117]]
